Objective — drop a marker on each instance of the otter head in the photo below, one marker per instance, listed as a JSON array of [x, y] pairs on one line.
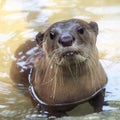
[[69, 41]]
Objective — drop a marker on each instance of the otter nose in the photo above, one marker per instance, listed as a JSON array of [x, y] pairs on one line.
[[66, 41]]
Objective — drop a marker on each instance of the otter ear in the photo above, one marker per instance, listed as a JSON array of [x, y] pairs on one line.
[[39, 38], [94, 26]]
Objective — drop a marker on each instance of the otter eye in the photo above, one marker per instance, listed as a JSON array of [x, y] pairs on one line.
[[52, 35], [80, 30]]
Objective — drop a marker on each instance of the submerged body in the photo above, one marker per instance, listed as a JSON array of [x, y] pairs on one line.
[[65, 68]]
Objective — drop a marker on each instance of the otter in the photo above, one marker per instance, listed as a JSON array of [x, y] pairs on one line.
[[62, 70]]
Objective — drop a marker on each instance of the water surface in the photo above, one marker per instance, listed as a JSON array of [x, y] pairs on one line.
[[22, 19]]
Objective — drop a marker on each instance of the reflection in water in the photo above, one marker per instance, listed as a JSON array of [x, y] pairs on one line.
[[12, 103], [21, 20]]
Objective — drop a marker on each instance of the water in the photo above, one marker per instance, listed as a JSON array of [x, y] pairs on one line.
[[21, 20]]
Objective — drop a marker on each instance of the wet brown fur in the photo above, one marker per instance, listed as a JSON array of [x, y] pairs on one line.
[[57, 79]]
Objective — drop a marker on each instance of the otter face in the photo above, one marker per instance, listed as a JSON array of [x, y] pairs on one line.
[[70, 41]]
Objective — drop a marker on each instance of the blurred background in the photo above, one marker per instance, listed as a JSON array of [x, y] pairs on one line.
[[20, 20]]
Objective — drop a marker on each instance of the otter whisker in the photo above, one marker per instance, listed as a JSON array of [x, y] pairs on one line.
[[76, 70], [61, 78], [55, 51], [98, 82], [91, 75], [55, 83], [47, 73], [71, 72], [81, 68], [45, 83], [92, 66]]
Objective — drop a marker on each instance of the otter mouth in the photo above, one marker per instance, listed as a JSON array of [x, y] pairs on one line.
[[71, 57], [69, 54]]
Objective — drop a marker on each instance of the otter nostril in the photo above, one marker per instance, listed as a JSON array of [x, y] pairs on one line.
[[66, 41]]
